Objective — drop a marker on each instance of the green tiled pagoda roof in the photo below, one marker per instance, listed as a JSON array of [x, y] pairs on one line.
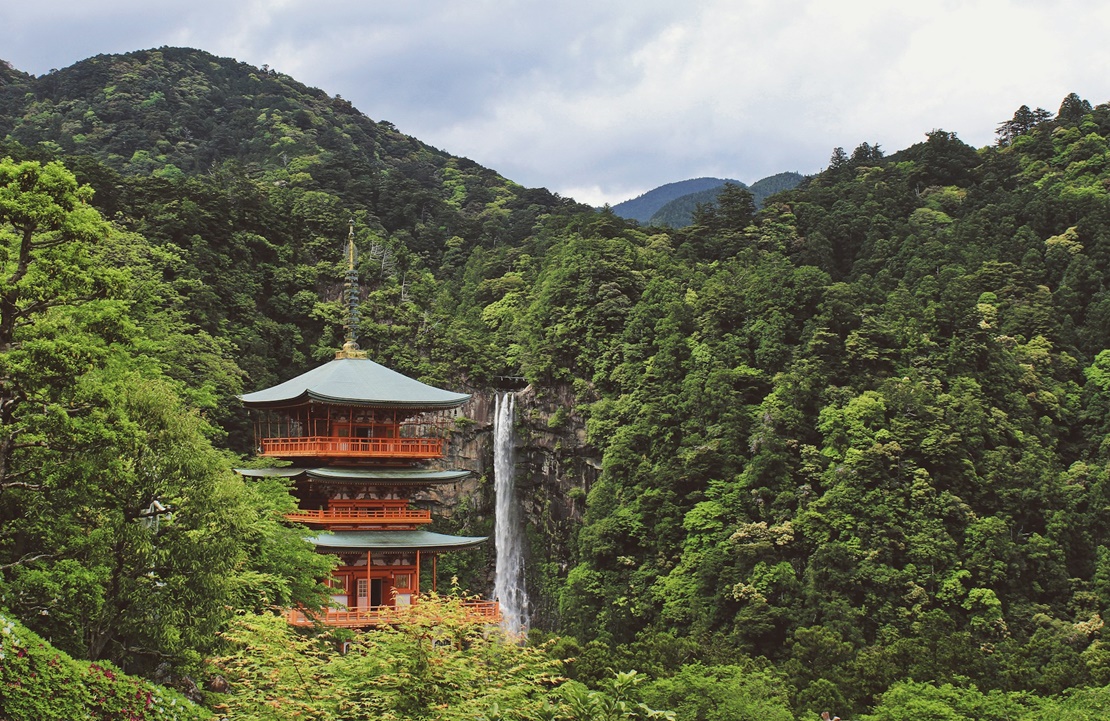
[[389, 475], [393, 541], [355, 381]]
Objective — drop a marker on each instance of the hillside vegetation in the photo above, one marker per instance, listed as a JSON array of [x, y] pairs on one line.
[[863, 434], [853, 445], [245, 175]]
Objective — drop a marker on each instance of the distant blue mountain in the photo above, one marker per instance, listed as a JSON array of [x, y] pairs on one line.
[[642, 208], [679, 213]]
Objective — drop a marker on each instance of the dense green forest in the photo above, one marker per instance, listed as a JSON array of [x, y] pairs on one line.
[[852, 444]]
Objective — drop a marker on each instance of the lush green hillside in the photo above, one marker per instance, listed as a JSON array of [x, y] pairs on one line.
[[679, 213], [248, 178], [780, 182], [176, 111], [865, 436], [859, 434], [37, 682]]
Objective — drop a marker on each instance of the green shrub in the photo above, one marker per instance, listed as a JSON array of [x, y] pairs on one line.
[[39, 682]]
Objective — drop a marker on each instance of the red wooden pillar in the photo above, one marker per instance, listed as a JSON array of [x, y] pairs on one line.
[[369, 593], [416, 590], [434, 557]]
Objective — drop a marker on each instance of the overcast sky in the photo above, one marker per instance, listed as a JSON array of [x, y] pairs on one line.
[[602, 101]]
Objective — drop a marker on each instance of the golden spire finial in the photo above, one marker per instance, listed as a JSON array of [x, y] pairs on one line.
[[350, 295]]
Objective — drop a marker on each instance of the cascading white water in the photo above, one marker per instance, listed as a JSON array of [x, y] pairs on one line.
[[508, 580]]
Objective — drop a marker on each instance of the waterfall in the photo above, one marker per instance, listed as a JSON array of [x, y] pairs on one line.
[[508, 580]]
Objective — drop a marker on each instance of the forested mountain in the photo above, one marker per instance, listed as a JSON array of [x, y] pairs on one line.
[[679, 213], [642, 207], [778, 183], [246, 175], [865, 436], [846, 450]]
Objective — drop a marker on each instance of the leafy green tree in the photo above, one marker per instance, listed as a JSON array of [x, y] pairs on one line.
[[838, 160], [947, 702], [124, 534], [614, 701], [1024, 120], [47, 227], [721, 693], [436, 664], [1072, 109], [866, 153], [735, 206]]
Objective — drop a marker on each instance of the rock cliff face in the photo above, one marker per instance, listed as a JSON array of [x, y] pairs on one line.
[[555, 468]]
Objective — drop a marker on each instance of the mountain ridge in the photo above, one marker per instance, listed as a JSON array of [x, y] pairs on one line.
[[672, 204], [643, 206], [679, 213]]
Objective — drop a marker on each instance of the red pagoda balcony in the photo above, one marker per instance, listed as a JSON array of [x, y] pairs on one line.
[[362, 516], [346, 447], [474, 611]]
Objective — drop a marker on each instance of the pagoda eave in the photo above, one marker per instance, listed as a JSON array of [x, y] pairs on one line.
[[355, 382], [355, 474], [392, 541], [309, 397]]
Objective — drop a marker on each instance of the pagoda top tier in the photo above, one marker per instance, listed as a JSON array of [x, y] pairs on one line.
[[355, 382]]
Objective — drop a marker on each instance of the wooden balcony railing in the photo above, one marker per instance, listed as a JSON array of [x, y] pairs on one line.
[[476, 611], [358, 516], [354, 447]]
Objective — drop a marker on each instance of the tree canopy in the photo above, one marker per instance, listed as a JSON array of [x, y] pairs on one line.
[[123, 533]]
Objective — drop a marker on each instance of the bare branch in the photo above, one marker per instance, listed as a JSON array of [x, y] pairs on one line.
[[22, 315], [29, 444], [28, 558], [21, 484]]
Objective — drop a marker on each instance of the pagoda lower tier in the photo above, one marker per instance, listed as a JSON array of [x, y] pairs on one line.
[[362, 515]]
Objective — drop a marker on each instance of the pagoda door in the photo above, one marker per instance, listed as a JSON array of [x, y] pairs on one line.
[[361, 594], [376, 591]]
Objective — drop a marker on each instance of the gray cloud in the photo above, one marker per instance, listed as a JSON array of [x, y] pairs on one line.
[[602, 101]]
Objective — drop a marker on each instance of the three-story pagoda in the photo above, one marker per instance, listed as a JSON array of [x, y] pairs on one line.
[[360, 438]]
